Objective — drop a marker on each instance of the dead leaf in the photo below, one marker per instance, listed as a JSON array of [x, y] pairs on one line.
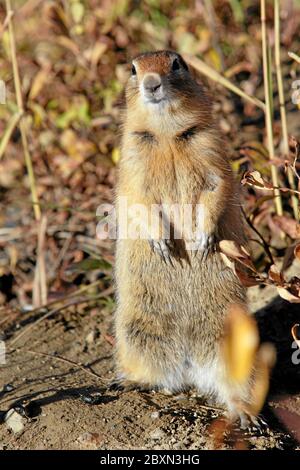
[[297, 251], [294, 286], [294, 145], [228, 263], [233, 250], [39, 82], [294, 334], [287, 295], [247, 279], [254, 178], [290, 254], [288, 225], [276, 275]]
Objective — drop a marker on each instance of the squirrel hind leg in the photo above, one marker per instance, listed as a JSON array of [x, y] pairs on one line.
[[239, 411], [121, 384], [212, 380]]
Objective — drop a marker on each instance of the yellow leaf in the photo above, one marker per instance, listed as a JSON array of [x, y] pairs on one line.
[[115, 155], [39, 82], [215, 59], [240, 343]]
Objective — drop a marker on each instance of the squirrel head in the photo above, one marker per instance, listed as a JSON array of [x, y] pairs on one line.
[[159, 75], [161, 85]]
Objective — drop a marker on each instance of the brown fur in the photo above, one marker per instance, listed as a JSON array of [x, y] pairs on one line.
[[170, 317]]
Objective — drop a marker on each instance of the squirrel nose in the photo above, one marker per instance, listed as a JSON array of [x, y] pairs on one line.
[[152, 82]]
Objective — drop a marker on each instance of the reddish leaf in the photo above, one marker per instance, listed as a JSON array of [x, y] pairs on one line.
[[294, 334], [254, 178], [233, 250], [290, 226], [276, 276], [297, 251]]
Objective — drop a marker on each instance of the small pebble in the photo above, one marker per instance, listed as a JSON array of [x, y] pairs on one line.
[[8, 388], [157, 434], [90, 338], [14, 421]]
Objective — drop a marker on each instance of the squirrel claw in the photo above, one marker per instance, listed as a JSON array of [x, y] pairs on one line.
[[257, 424], [204, 244], [162, 248], [250, 423], [122, 385], [119, 384]]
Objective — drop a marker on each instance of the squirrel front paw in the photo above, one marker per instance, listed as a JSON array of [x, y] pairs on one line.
[[203, 244], [162, 247]]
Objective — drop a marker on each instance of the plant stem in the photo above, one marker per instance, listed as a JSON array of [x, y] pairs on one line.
[[263, 241], [17, 84], [209, 72], [39, 293], [294, 56], [268, 111], [285, 138], [5, 23]]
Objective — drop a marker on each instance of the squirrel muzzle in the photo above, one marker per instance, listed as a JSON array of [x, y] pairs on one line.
[[152, 88]]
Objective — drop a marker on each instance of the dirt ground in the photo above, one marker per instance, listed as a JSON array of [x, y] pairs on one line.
[[59, 405]]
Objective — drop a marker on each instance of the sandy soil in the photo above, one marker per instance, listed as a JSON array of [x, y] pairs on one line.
[[58, 405]]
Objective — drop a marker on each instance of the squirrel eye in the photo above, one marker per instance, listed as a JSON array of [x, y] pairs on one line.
[[175, 65], [133, 70]]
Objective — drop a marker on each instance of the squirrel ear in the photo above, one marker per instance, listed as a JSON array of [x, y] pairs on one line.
[[184, 65], [175, 64], [179, 63]]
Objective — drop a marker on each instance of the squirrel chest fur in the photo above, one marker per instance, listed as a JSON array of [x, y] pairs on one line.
[[173, 296]]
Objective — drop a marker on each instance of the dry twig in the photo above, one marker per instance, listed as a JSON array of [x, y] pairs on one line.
[[17, 83], [63, 359], [105, 293], [209, 72], [285, 137], [294, 56], [268, 112]]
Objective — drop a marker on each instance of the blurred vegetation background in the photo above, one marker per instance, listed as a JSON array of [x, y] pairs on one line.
[[73, 59]]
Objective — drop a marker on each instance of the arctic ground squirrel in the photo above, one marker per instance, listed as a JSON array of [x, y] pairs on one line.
[[174, 291]]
